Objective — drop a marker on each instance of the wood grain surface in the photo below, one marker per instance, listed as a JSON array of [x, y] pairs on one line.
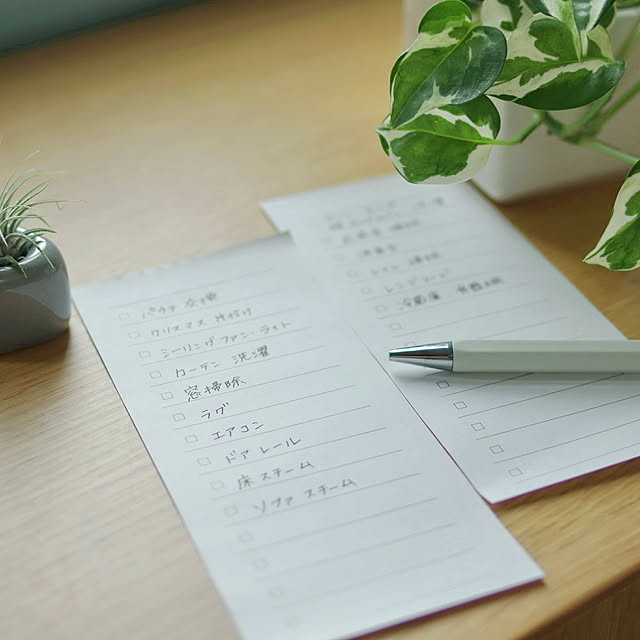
[[168, 131]]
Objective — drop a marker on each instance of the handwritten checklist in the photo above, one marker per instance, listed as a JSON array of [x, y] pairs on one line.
[[418, 264], [321, 505]]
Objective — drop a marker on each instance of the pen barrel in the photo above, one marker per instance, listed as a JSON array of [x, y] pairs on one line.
[[551, 356]]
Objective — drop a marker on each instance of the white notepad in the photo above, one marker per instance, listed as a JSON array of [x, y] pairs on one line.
[[419, 264], [319, 502]]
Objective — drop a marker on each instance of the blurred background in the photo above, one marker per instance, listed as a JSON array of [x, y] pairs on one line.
[[27, 22]]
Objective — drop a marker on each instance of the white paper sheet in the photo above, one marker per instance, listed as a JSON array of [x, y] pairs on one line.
[[321, 505], [419, 264]]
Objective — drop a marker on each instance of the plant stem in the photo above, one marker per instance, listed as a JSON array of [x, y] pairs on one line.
[[616, 106], [588, 117], [629, 41], [607, 149], [525, 133]]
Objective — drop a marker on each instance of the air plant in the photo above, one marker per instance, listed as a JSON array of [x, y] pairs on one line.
[[19, 200]]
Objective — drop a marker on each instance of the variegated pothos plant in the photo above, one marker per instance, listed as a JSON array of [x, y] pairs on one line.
[[546, 55]]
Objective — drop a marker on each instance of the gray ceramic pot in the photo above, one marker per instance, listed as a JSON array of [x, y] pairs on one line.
[[38, 307]]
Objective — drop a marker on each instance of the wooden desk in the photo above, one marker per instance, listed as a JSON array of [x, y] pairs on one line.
[[170, 130]]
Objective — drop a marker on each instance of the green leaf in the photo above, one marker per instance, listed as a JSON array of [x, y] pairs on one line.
[[394, 70], [543, 70], [452, 61], [619, 247], [505, 15], [447, 145], [581, 16]]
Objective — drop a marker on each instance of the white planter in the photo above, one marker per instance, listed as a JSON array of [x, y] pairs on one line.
[[543, 162]]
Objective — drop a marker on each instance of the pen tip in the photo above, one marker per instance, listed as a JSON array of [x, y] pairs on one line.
[[437, 355]]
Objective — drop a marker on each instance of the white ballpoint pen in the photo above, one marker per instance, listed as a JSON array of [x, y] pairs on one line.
[[519, 356]]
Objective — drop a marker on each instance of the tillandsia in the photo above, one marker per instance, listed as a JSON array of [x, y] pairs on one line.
[[19, 200], [546, 55]]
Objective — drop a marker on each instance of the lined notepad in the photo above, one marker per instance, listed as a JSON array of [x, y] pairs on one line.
[[319, 502], [418, 264]]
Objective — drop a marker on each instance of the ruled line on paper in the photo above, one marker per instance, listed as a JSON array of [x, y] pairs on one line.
[[541, 395], [579, 462], [442, 264], [524, 327], [438, 281], [296, 450], [209, 307], [268, 406], [360, 550], [462, 253], [181, 291], [560, 416], [243, 437], [274, 483], [231, 323], [324, 499], [321, 531], [253, 386], [566, 442], [380, 576], [484, 385], [284, 334], [456, 241], [240, 365], [476, 316], [446, 303]]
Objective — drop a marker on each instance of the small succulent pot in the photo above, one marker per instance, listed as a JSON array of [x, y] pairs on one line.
[[35, 302]]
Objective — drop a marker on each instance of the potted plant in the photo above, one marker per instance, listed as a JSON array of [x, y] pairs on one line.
[[35, 300], [547, 56]]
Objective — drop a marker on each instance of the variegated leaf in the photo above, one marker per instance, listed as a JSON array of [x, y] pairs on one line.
[[447, 145], [505, 15], [452, 61], [543, 71], [619, 247], [579, 15]]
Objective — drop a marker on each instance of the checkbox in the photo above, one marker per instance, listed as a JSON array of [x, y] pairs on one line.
[[134, 334], [167, 395], [381, 308], [203, 462], [231, 511], [216, 485], [178, 417], [124, 316], [155, 374], [515, 472], [395, 326], [496, 448], [260, 563], [245, 536], [191, 438], [144, 354], [276, 592], [365, 291], [460, 404], [443, 384], [477, 426]]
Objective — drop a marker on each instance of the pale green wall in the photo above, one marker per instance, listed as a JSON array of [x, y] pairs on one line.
[[26, 22]]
